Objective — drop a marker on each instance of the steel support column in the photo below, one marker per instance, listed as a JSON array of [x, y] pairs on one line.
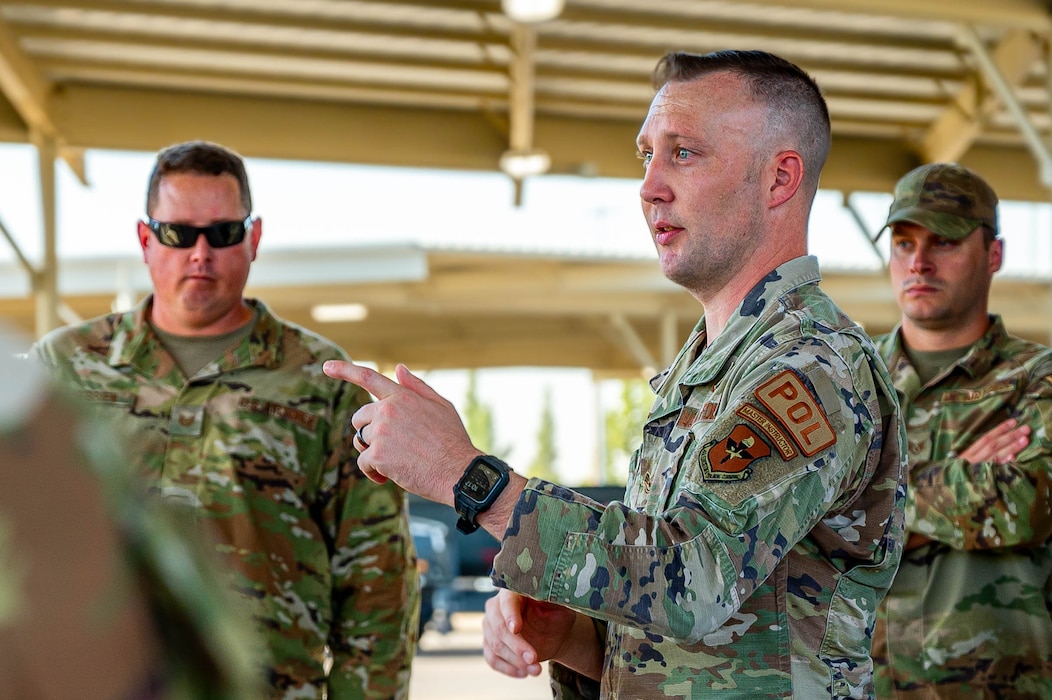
[[45, 282]]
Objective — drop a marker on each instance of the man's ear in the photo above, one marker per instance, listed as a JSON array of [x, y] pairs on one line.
[[144, 239], [788, 175], [996, 254], [257, 233]]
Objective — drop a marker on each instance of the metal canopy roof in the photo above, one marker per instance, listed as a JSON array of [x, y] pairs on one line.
[[455, 84], [451, 83]]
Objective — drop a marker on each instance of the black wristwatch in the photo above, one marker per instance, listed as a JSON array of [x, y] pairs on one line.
[[478, 489]]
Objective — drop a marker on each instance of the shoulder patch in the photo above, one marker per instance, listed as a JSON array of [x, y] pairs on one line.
[[731, 458], [795, 407]]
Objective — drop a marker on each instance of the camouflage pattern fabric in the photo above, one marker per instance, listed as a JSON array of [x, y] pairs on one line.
[[150, 618], [970, 614], [260, 442], [762, 518]]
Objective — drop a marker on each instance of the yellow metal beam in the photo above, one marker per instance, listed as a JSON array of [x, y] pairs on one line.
[[1025, 14], [30, 96], [27, 92], [953, 133]]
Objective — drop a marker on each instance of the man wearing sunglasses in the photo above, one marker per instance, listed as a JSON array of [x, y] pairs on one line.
[[225, 409]]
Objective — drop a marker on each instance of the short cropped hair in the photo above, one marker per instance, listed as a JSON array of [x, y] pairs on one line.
[[202, 158], [794, 100]]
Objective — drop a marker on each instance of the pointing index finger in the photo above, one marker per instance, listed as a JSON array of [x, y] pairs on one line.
[[375, 383]]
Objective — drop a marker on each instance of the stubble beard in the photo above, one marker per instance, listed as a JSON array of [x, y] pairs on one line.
[[709, 265], [202, 305], [932, 316], [701, 273]]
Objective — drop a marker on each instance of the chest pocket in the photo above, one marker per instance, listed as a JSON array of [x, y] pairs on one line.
[[963, 415], [657, 465]]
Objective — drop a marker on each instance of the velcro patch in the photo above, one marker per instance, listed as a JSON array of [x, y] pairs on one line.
[[795, 407], [731, 458], [276, 410], [781, 441], [103, 396], [970, 395], [687, 416]]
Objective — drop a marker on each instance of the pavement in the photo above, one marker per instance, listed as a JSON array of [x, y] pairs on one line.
[[450, 667]]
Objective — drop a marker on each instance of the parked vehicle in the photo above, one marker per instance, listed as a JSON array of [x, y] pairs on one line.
[[465, 584], [437, 564]]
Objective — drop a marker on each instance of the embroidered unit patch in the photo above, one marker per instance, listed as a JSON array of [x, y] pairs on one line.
[[731, 458]]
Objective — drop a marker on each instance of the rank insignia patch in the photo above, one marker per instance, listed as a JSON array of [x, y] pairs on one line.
[[687, 416], [731, 458]]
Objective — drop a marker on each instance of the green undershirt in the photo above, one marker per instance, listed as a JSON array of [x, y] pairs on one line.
[[931, 363], [191, 353]]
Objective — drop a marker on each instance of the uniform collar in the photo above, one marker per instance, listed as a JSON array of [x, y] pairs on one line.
[[700, 364], [983, 354], [135, 343]]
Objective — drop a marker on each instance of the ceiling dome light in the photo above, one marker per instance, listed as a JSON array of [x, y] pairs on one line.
[[532, 10], [339, 313], [520, 164]]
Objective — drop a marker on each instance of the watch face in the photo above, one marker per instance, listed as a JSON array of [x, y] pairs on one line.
[[479, 482]]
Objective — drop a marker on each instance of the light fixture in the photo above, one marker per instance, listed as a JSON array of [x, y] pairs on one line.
[[520, 164], [338, 313], [532, 10]]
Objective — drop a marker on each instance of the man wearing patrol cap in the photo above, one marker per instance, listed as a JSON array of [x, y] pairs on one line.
[[968, 614]]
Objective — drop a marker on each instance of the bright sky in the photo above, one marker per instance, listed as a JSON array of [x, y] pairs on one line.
[[310, 204]]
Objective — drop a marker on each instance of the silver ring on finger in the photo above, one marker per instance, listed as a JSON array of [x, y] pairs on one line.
[[360, 439]]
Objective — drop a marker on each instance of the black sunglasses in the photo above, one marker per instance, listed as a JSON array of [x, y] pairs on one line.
[[221, 234]]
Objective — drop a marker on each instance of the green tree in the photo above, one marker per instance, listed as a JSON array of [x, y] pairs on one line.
[[478, 420], [624, 429], [543, 464]]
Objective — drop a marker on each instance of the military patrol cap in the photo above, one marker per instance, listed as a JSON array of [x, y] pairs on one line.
[[945, 198]]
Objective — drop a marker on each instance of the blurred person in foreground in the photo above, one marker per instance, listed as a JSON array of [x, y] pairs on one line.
[[103, 594], [226, 409], [970, 612], [763, 511]]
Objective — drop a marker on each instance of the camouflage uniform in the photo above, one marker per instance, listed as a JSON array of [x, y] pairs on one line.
[[970, 614], [762, 519], [141, 610], [261, 442]]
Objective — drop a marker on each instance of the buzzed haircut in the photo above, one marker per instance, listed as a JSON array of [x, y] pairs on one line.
[[792, 96], [201, 158]]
